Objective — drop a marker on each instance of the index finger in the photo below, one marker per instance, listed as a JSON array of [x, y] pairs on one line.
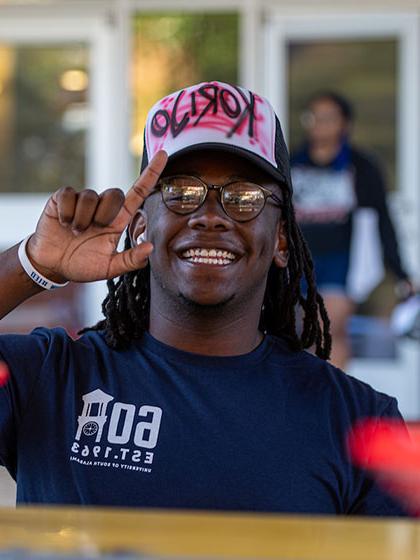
[[145, 183]]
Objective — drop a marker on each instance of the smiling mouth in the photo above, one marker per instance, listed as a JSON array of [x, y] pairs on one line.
[[209, 256]]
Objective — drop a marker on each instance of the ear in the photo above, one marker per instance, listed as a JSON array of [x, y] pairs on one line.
[[281, 249], [137, 228]]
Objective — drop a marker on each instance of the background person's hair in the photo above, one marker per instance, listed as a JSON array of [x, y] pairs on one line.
[[344, 105], [127, 305]]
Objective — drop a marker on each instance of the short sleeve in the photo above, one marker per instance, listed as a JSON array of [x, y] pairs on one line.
[[25, 356]]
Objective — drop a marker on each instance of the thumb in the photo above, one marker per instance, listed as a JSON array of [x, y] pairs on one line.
[[130, 260]]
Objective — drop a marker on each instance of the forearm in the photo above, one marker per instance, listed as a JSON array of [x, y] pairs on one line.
[[15, 284], [390, 244]]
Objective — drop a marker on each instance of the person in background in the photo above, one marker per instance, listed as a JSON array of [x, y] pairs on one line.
[[333, 181]]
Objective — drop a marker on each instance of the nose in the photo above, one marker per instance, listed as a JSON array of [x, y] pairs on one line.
[[210, 216]]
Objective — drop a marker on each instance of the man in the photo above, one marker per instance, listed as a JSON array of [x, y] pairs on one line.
[[194, 391]]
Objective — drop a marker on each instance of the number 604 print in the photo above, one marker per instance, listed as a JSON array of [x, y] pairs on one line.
[[119, 427]]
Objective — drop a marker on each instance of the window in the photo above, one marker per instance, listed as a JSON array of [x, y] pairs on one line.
[[44, 117]]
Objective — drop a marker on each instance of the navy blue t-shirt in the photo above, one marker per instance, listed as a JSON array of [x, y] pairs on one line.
[[154, 426]]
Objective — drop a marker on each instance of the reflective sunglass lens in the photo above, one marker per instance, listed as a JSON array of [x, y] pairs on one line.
[[243, 201], [182, 196]]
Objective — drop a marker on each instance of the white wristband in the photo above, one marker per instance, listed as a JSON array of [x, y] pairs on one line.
[[33, 274]]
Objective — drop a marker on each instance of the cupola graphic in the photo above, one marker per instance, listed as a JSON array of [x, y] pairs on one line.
[[93, 417]]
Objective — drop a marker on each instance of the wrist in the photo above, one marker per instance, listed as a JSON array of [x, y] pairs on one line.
[[43, 277], [403, 289]]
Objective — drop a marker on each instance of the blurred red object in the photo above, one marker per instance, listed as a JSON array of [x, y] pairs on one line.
[[390, 450], [4, 374]]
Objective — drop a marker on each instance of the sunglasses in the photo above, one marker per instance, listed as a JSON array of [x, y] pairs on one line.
[[241, 200], [308, 119]]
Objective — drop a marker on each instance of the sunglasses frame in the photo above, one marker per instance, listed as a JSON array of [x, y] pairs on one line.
[[220, 188]]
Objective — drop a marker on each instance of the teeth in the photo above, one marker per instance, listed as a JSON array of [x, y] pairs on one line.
[[204, 260], [214, 254]]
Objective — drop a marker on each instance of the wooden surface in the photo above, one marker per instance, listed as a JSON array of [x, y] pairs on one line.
[[170, 534]]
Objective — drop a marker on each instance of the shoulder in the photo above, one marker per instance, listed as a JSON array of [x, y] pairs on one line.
[[364, 160], [40, 339], [317, 383], [50, 342]]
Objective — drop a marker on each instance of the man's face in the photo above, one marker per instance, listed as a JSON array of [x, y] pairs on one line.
[[247, 249], [326, 122]]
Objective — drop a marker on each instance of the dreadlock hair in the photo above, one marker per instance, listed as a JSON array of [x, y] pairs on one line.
[[126, 307]]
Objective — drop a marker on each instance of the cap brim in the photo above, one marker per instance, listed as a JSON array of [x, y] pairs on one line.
[[242, 152]]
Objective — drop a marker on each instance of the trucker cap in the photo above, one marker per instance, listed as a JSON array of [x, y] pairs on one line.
[[218, 116]]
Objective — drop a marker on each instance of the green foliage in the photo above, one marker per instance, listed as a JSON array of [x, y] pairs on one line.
[[206, 43]]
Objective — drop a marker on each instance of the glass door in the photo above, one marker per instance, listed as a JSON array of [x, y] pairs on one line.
[[44, 123], [57, 85], [373, 60]]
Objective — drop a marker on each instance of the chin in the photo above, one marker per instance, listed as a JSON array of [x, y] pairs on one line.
[[206, 302]]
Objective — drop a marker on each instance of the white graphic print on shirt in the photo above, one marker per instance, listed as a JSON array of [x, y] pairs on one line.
[[124, 444], [323, 195]]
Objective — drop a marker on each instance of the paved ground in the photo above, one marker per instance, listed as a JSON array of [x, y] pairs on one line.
[[7, 489]]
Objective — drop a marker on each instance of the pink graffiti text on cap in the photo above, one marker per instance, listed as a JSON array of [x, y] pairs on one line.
[[212, 113]]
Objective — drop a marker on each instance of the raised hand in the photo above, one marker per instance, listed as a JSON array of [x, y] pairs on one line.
[[77, 235]]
